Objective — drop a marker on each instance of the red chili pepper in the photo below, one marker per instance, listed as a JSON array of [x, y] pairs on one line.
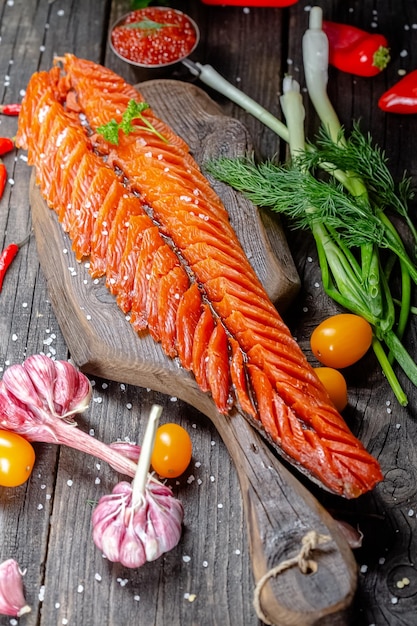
[[6, 144], [6, 259], [3, 177], [401, 97], [10, 109], [7, 256], [356, 51]]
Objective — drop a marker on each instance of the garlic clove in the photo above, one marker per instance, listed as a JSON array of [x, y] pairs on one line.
[[164, 521], [13, 413], [72, 392], [41, 370], [12, 599], [132, 553], [20, 385]]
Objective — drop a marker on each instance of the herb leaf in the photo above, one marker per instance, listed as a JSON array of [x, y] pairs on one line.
[[134, 110], [110, 131], [147, 25]]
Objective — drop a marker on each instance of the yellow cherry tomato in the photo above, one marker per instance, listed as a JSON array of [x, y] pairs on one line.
[[335, 384], [341, 340], [17, 458], [172, 451]]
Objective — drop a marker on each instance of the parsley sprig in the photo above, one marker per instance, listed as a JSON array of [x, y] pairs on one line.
[[134, 111]]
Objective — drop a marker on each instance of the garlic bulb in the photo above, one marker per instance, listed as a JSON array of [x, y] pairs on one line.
[[38, 400], [132, 533], [140, 521]]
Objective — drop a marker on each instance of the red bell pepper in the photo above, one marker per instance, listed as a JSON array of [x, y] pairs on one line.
[[253, 3], [356, 51], [401, 97]]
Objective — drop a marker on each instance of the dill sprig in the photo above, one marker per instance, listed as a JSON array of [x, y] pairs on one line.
[[349, 232], [369, 162]]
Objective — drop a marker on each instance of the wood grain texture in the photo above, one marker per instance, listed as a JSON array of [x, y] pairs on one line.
[[45, 524], [279, 510]]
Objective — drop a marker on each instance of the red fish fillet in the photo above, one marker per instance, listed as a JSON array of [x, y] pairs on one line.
[[154, 228]]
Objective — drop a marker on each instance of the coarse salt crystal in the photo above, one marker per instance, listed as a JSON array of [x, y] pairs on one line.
[[70, 483], [186, 558], [97, 577]]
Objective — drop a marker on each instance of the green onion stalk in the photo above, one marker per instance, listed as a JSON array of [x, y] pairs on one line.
[[343, 206]]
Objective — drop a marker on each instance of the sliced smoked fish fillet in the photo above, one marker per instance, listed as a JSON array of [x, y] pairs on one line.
[[218, 368], [202, 334], [171, 289], [129, 205], [86, 173], [102, 227], [103, 95], [182, 270], [239, 378], [69, 139], [124, 283], [40, 84], [83, 219], [188, 313], [150, 243], [163, 262]]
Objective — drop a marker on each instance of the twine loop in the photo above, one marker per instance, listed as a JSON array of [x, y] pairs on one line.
[[307, 565]]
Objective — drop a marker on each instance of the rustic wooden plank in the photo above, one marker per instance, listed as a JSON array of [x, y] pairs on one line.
[[387, 517], [101, 341]]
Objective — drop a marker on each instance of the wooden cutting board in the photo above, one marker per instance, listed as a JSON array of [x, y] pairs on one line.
[[279, 510]]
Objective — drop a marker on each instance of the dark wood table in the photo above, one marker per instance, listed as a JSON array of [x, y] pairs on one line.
[[207, 580]]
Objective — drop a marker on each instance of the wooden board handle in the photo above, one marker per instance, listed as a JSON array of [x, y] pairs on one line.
[[279, 510]]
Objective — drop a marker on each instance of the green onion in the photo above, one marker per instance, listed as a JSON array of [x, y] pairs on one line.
[[341, 189]]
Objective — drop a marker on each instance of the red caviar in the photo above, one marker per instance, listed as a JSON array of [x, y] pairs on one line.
[[154, 36]]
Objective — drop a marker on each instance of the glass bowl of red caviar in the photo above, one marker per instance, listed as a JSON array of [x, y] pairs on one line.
[[154, 37]]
